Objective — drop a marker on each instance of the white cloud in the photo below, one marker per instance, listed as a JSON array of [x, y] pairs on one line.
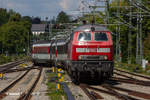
[[68, 4]]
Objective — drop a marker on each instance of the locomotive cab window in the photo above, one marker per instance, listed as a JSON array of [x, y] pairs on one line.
[[84, 36], [71, 36], [100, 36]]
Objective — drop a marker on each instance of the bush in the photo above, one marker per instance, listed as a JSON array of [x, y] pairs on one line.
[[133, 68], [130, 67], [4, 59]]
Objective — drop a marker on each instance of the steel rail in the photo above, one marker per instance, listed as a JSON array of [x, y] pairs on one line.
[[117, 94], [9, 66], [96, 95], [20, 69], [113, 93], [84, 88], [130, 81], [2, 93], [133, 79], [131, 92], [146, 77], [28, 95]]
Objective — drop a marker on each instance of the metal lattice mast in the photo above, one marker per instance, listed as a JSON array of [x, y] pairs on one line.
[[116, 45], [107, 10], [118, 32], [137, 39], [129, 35], [141, 42]]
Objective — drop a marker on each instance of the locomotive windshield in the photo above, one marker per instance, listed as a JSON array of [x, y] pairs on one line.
[[84, 36], [101, 36]]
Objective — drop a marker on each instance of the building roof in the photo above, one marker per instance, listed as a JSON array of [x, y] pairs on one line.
[[38, 27], [88, 28]]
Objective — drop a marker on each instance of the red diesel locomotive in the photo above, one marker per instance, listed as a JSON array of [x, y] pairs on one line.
[[89, 49]]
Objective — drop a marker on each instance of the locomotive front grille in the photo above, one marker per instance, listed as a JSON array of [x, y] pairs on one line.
[[92, 57]]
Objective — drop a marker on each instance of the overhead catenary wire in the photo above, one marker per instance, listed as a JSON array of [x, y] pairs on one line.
[[141, 12]]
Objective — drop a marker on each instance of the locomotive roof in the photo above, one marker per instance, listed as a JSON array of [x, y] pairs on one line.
[[88, 27]]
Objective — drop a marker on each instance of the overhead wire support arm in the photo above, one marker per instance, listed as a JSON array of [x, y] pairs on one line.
[[118, 45], [107, 10], [138, 5]]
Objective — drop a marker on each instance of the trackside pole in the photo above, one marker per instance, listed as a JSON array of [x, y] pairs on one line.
[[53, 69], [57, 70], [59, 78]]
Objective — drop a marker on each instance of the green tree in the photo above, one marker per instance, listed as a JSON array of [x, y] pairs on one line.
[[63, 18], [14, 31], [146, 45], [15, 17], [14, 36], [27, 18], [4, 16]]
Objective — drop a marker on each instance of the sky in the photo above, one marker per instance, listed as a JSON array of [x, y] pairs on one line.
[[45, 8], [41, 8]]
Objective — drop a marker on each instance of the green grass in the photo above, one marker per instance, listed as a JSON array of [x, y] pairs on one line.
[[53, 93], [133, 68]]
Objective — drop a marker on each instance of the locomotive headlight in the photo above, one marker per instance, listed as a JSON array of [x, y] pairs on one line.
[[81, 50], [105, 57], [79, 57], [82, 57], [105, 50]]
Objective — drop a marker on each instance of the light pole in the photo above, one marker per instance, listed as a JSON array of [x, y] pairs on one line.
[[28, 44]]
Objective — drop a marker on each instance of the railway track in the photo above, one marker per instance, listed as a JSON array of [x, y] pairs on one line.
[[130, 80], [3, 92], [117, 91], [19, 69], [28, 95], [130, 92], [109, 91], [24, 96], [134, 74], [92, 95], [4, 68], [112, 91]]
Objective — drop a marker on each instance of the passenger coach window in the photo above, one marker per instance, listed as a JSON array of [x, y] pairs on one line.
[[84, 37], [101, 36]]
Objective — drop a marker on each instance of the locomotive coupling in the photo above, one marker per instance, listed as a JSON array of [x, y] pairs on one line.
[[85, 67]]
